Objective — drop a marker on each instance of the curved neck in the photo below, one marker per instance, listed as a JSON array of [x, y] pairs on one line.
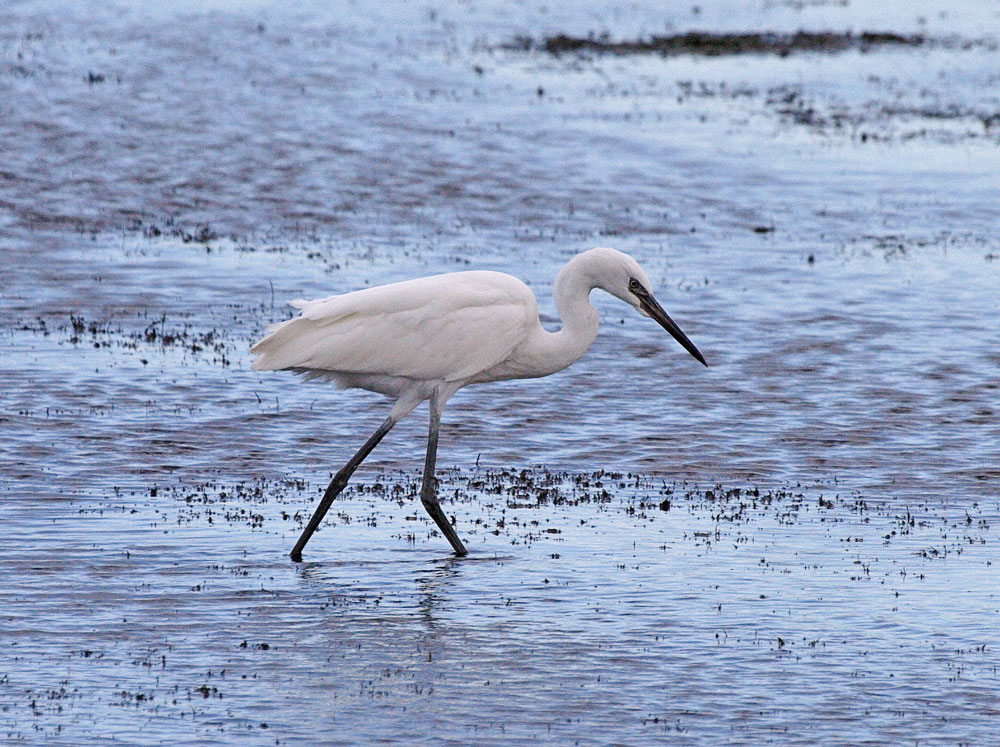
[[571, 294]]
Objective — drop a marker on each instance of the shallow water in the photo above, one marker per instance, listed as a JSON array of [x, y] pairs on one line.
[[822, 226]]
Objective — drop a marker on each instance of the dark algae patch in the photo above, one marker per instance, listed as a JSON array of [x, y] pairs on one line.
[[707, 44]]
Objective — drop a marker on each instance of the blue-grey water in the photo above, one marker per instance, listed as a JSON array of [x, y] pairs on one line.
[[795, 545]]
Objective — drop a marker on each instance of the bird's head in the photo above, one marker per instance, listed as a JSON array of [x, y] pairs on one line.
[[621, 276]]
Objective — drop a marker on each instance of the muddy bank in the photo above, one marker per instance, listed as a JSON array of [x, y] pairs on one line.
[[708, 44]]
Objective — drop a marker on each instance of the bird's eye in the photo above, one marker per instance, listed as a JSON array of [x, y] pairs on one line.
[[634, 285]]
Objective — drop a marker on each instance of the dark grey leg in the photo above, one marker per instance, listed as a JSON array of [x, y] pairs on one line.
[[428, 490], [337, 484]]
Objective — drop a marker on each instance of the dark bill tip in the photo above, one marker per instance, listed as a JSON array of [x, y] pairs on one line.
[[651, 307]]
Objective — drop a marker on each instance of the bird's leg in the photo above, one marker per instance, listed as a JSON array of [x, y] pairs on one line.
[[428, 490], [337, 484]]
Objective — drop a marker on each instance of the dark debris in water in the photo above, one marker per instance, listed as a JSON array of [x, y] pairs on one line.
[[708, 44], [883, 543], [900, 245], [878, 121], [157, 334], [307, 241], [521, 505], [199, 234], [882, 119]]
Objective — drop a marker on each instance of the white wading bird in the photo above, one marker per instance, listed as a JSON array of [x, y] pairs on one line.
[[425, 339]]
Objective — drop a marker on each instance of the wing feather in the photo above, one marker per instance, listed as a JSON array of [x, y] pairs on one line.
[[448, 327]]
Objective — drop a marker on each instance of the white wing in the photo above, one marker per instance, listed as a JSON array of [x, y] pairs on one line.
[[448, 327]]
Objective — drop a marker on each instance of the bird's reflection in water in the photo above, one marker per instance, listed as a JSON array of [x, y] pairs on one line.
[[395, 588], [390, 586], [434, 584]]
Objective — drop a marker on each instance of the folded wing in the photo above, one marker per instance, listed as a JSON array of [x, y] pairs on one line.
[[445, 327]]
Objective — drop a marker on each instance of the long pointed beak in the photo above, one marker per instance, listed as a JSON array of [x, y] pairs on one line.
[[651, 307]]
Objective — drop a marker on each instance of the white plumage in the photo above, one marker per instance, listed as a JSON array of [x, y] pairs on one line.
[[425, 329], [426, 338]]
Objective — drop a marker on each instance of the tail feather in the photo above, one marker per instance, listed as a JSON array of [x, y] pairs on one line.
[[269, 349], [292, 343]]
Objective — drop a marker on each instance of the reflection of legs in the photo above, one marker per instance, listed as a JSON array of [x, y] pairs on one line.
[[428, 490], [337, 484]]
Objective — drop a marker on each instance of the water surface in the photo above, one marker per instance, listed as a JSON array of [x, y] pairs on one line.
[[823, 226]]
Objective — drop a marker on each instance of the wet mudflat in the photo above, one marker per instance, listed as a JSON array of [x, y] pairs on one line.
[[794, 545]]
